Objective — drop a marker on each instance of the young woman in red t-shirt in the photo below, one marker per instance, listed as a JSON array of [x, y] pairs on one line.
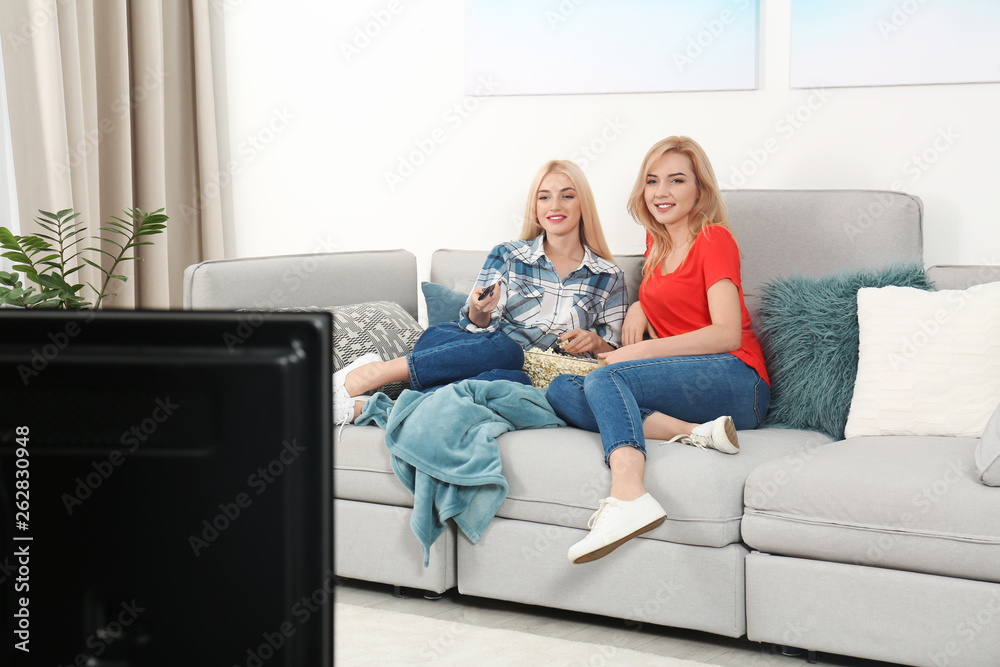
[[690, 368]]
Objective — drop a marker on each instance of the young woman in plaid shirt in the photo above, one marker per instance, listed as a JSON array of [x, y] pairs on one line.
[[557, 285]]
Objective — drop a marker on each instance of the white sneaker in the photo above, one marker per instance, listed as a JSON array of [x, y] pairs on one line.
[[343, 410], [340, 377], [719, 434], [614, 524]]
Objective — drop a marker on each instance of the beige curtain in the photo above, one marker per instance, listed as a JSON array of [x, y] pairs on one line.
[[111, 108]]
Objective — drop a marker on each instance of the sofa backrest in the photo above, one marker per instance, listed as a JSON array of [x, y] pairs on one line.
[[813, 233], [319, 279], [458, 269], [781, 233]]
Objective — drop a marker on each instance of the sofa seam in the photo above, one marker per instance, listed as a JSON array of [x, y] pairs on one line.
[[540, 501], [871, 528], [358, 469]]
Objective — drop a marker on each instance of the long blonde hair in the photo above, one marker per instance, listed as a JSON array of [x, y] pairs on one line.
[[591, 233], [710, 209]]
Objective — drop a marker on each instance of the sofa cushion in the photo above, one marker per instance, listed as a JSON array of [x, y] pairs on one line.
[[904, 502], [361, 468], [557, 476], [988, 452], [929, 362], [443, 304], [809, 332]]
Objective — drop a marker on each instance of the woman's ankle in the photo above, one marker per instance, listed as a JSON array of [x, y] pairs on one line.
[[627, 467], [359, 381], [627, 494]]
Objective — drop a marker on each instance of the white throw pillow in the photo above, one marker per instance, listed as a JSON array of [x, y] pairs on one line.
[[988, 452], [928, 362]]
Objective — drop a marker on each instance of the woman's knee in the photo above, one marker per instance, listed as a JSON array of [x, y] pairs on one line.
[[565, 395], [598, 379], [563, 389], [510, 355]]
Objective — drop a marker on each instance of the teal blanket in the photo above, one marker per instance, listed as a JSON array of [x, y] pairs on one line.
[[443, 449]]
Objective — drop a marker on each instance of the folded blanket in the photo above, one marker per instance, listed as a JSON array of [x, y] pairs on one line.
[[443, 449]]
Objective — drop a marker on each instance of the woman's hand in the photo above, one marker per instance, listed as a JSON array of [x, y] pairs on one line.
[[480, 310], [624, 353], [578, 341], [636, 325]]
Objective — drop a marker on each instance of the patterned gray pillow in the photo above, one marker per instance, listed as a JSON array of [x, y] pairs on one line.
[[377, 326]]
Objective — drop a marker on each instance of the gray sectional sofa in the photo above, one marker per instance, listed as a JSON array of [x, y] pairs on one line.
[[797, 540]]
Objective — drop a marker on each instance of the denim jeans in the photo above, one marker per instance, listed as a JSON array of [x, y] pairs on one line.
[[447, 353], [616, 399]]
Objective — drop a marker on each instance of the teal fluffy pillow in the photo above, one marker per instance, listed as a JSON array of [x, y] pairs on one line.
[[443, 304], [808, 328]]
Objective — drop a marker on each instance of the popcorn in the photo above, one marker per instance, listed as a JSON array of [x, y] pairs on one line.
[[544, 365]]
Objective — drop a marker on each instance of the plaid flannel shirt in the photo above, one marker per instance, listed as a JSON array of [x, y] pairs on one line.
[[536, 305]]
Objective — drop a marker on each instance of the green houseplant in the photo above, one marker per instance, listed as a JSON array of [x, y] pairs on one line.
[[44, 258]]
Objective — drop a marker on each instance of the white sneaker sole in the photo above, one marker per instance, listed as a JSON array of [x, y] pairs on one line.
[[601, 552]]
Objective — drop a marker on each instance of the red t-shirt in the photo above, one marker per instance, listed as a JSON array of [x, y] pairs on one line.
[[678, 302]]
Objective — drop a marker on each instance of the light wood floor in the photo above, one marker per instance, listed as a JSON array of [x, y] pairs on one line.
[[658, 640]]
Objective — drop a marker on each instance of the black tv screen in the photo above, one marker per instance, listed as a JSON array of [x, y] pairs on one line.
[[165, 488]]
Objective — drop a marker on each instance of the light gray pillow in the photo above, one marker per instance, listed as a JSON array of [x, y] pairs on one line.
[[988, 452]]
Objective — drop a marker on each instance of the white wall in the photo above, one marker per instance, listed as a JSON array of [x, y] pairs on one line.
[[318, 116]]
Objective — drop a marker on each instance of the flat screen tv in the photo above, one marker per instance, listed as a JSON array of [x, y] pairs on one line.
[[165, 489]]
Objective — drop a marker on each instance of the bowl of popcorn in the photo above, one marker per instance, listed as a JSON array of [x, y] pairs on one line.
[[544, 365]]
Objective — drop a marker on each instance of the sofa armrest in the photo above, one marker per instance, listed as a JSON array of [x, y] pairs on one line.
[[962, 276], [319, 279]]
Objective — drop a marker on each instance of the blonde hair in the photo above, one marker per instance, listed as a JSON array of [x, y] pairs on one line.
[[591, 233], [710, 209]]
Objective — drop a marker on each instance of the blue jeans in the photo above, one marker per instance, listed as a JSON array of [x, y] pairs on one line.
[[616, 399], [447, 353]]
